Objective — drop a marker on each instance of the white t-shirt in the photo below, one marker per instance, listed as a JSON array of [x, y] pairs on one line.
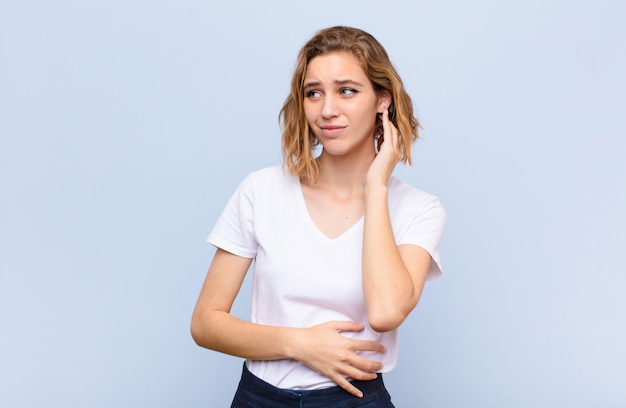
[[303, 278]]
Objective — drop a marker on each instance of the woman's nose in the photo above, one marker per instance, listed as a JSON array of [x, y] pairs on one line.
[[329, 107]]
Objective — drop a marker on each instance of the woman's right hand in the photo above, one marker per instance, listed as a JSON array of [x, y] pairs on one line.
[[325, 350]]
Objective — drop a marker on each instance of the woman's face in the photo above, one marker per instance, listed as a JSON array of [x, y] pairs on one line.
[[340, 103]]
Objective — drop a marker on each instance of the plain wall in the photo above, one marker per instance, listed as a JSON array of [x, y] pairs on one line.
[[126, 125]]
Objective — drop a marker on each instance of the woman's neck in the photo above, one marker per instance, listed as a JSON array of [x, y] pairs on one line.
[[341, 173]]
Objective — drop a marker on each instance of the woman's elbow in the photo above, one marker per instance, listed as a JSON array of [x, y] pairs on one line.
[[199, 331], [195, 331], [385, 321], [390, 317]]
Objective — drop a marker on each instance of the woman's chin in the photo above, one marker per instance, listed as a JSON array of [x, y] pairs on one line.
[[342, 149]]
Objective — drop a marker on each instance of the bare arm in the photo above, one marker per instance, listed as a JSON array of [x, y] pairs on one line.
[[212, 325], [393, 276], [322, 348]]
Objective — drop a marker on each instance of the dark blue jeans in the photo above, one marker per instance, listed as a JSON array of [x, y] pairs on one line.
[[256, 393]]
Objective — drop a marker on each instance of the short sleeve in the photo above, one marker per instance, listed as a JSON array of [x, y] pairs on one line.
[[425, 230], [234, 230]]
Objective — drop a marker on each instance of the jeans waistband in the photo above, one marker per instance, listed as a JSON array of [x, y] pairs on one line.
[[254, 389]]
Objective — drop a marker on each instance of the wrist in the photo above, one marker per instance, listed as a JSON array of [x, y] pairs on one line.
[[375, 187], [293, 339]]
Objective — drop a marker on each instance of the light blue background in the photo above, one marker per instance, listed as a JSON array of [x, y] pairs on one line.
[[126, 125]]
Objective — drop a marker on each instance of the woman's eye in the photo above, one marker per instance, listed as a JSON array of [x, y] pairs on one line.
[[312, 94], [348, 91]]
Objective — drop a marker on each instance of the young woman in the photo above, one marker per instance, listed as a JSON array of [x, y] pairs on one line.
[[341, 247]]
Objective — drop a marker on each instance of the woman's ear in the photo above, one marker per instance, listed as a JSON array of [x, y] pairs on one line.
[[384, 101]]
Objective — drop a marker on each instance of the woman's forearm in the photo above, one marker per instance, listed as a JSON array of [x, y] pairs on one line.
[[223, 332], [322, 348], [388, 287]]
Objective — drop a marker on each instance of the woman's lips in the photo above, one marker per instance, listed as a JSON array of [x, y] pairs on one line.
[[332, 131]]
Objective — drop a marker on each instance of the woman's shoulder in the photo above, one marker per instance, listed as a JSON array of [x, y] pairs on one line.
[[271, 174], [408, 204], [275, 171], [402, 191], [269, 179]]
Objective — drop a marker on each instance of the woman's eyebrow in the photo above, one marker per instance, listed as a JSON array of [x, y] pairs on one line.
[[311, 84], [348, 82], [337, 82]]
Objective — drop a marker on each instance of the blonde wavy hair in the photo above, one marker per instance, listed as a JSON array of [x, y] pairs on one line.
[[298, 140]]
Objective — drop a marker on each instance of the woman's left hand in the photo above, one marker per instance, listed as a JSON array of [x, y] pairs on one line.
[[388, 155]]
